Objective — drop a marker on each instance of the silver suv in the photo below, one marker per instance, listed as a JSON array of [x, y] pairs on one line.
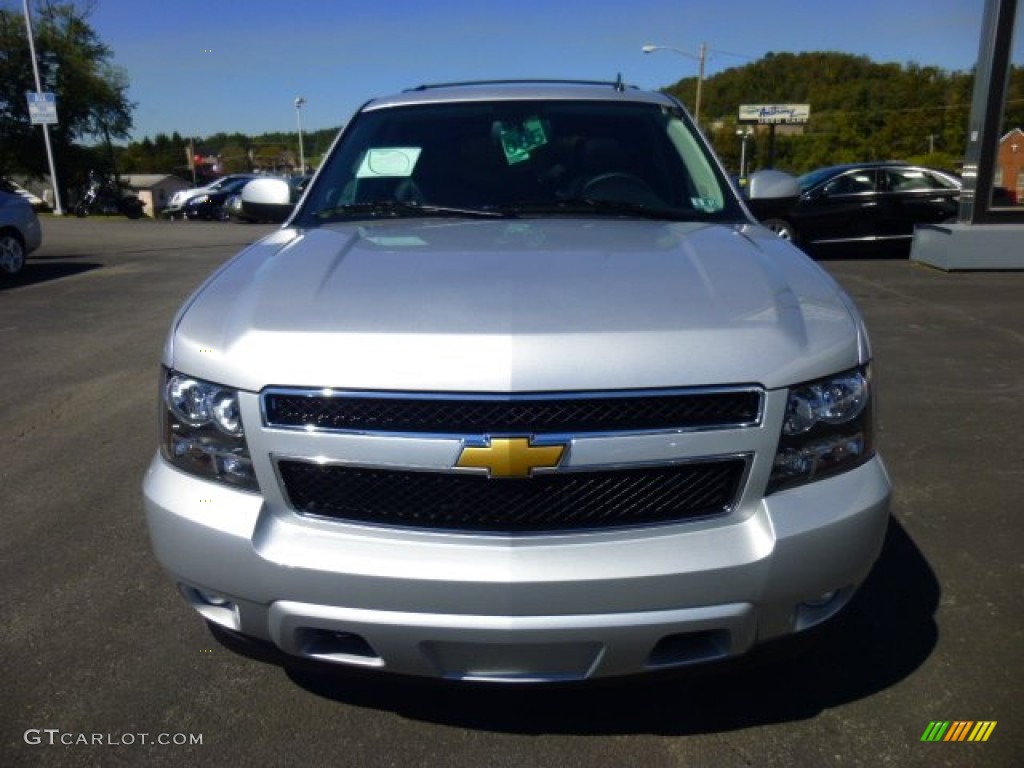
[[519, 392]]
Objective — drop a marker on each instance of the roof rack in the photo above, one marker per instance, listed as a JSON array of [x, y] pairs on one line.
[[617, 84]]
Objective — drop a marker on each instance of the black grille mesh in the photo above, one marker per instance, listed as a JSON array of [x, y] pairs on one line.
[[545, 502], [518, 414]]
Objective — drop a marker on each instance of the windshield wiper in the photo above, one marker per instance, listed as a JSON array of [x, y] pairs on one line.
[[604, 207], [398, 209]]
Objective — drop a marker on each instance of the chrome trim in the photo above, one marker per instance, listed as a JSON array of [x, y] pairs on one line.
[[511, 397], [867, 239], [324, 461]]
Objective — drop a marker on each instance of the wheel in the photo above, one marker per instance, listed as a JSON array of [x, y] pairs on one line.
[[81, 210], [12, 253], [782, 228]]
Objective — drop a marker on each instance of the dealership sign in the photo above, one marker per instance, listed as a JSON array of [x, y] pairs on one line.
[[775, 114]]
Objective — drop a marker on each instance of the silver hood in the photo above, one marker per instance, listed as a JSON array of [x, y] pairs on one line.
[[517, 305]]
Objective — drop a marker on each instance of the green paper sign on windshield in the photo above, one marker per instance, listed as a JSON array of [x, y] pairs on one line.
[[519, 142]]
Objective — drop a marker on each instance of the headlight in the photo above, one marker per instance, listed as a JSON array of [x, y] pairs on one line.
[[202, 431], [827, 429], [200, 200]]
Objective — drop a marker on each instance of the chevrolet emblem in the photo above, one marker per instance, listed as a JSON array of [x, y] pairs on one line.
[[510, 457]]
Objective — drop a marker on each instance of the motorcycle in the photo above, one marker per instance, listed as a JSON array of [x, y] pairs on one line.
[[103, 197]]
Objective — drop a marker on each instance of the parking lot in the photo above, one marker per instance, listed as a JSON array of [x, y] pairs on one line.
[[99, 650]]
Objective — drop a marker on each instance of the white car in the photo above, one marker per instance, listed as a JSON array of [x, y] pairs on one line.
[[37, 203], [178, 200], [20, 233]]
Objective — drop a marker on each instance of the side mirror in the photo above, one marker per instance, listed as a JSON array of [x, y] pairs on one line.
[[772, 185], [267, 200]]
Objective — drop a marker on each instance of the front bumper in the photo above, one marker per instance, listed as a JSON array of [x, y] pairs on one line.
[[551, 607]]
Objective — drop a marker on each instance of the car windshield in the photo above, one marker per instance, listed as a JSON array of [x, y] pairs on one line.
[[814, 178], [520, 158]]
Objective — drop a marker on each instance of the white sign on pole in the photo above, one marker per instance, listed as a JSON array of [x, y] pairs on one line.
[[42, 108], [775, 114]]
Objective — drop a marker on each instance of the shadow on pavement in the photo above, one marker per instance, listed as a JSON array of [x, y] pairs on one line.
[[877, 253], [886, 633], [40, 271]]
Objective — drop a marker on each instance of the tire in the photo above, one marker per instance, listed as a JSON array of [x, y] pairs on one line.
[[782, 228], [12, 254], [81, 210]]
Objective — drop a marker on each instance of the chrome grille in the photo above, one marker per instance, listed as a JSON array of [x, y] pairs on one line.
[[512, 414], [557, 501]]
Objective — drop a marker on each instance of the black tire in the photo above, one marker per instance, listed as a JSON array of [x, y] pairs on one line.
[[782, 228], [81, 210], [12, 253]]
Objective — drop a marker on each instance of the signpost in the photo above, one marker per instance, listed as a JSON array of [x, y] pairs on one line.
[[42, 108], [773, 115], [45, 110]]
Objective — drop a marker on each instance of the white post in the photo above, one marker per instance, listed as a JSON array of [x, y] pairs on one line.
[[57, 210], [298, 114]]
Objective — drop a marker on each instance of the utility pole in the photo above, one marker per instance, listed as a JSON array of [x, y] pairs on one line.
[[57, 210], [702, 57]]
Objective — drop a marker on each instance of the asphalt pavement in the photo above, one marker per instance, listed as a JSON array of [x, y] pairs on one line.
[[105, 665]]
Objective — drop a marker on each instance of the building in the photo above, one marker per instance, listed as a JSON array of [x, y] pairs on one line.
[[1009, 170], [153, 189]]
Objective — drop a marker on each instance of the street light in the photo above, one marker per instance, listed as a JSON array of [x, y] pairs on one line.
[[298, 115], [701, 56], [744, 138]]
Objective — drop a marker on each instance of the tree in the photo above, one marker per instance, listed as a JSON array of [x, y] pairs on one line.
[[92, 100], [860, 109]]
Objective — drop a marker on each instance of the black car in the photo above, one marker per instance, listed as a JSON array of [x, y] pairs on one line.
[[210, 205], [855, 207]]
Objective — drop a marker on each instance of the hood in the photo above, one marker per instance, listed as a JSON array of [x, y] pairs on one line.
[[517, 305]]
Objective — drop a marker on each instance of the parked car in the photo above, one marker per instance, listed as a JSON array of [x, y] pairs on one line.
[[519, 392], [211, 204], [863, 205], [233, 206], [37, 203], [178, 200], [20, 233]]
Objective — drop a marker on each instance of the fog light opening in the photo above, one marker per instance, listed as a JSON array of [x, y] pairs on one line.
[[815, 610], [213, 606]]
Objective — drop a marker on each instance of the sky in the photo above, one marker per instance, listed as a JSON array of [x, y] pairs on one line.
[[204, 66]]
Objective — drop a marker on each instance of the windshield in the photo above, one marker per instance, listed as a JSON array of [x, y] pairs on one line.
[[519, 158], [814, 178]]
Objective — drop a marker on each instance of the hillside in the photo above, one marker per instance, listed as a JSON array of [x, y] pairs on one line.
[[860, 109]]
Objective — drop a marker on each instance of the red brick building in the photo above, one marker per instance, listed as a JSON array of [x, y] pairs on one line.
[[1010, 165]]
